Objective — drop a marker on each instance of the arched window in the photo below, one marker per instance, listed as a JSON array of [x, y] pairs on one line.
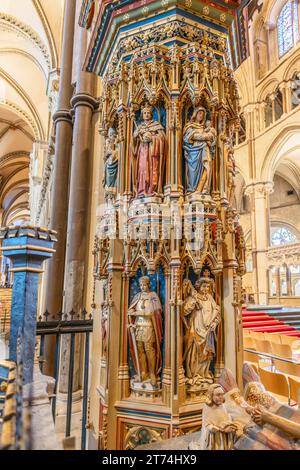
[[288, 28], [297, 289], [282, 236]]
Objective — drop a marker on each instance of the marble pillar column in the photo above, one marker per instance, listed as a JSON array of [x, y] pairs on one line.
[[27, 247], [260, 225], [278, 284], [283, 89], [84, 104], [60, 194], [289, 281]]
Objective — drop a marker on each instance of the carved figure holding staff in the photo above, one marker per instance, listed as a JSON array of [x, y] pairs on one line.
[[146, 333], [201, 316], [149, 155]]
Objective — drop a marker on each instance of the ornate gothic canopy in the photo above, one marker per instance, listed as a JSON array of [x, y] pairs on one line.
[[131, 19]]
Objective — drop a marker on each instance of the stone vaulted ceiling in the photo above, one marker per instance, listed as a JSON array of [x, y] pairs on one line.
[[30, 35]]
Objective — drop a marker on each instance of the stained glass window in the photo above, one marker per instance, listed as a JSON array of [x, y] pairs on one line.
[[282, 236], [288, 28]]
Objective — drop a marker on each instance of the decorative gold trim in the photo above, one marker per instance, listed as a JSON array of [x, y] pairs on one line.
[[30, 270], [28, 247]]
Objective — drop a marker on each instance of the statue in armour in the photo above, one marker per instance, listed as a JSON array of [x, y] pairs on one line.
[[149, 155], [201, 316], [199, 140], [146, 334]]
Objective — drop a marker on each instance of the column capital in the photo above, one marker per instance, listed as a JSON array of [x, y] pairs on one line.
[[85, 99], [261, 188], [27, 246], [282, 86], [249, 108], [269, 26], [62, 115]]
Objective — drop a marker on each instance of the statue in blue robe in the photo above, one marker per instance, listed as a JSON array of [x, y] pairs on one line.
[[199, 140], [111, 165]]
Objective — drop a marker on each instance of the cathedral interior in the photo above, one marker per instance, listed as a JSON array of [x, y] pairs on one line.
[[150, 225]]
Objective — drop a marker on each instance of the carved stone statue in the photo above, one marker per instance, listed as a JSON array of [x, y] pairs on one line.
[[146, 333], [201, 316], [230, 166], [111, 158], [104, 326], [218, 430], [149, 152], [198, 142]]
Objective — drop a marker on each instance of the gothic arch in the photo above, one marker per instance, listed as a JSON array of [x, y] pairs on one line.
[[268, 88], [48, 32], [276, 150], [292, 68]]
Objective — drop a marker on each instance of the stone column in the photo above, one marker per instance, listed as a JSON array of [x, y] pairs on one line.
[[260, 225], [291, 96], [272, 97], [27, 247], [84, 104], [60, 196], [288, 281], [233, 349], [262, 125], [278, 284], [2, 267]]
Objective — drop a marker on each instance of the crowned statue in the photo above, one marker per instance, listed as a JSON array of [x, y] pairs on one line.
[[201, 316], [149, 152], [146, 334], [111, 159], [199, 140]]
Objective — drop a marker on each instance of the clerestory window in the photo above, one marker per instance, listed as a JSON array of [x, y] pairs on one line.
[[288, 27]]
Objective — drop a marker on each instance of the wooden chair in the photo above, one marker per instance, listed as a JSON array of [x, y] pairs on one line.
[[282, 350], [294, 390], [249, 343], [251, 357], [274, 338], [263, 346], [275, 383], [288, 339], [246, 333], [287, 368], [257, 335]]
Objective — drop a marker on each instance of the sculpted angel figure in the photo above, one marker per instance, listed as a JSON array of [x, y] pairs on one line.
[[146, 333], [201, 316], [149, 155], [199, 139]]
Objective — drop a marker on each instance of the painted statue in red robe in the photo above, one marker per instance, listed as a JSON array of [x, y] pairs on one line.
[[149, 155]]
